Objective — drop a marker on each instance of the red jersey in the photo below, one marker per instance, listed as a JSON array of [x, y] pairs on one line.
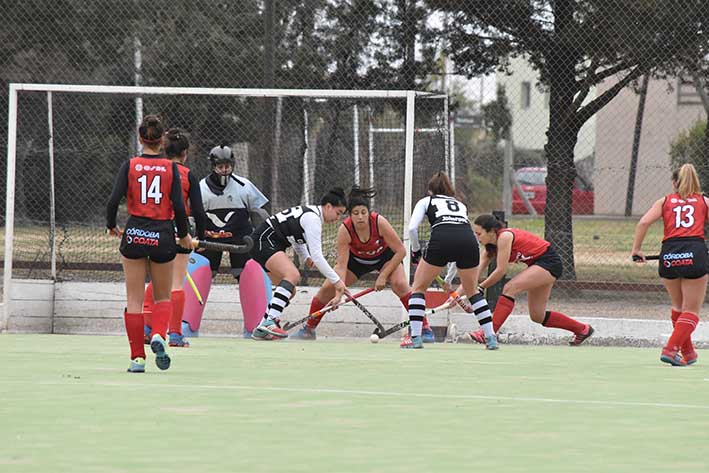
[[526, 247], [185, 181], [684, 218], [149, 186], [374, 246]]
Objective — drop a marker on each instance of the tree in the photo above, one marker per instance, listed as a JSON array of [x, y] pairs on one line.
[[689, 147], [575, 45]]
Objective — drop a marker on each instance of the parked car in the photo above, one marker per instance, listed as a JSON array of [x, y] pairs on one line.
[[533, 184]]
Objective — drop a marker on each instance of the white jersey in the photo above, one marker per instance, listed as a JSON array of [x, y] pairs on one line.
[[228, 211], [440, 209], [301, 226]]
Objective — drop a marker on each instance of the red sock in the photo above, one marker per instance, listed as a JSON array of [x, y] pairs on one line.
[[161, 317], [687, 346], [559, 320], [148, 304], [134, 330], [686, 323], [315, 305], [503, 309], [405, 300], [675, 316], [178, 306]]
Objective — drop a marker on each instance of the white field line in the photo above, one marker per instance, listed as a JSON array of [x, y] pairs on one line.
[[356, 392]]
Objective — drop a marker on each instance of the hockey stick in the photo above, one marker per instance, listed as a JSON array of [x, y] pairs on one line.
[[380, 327], [194, 289], [459, 299], [637, 258], [405, 323], [290, 324], [212, 245]]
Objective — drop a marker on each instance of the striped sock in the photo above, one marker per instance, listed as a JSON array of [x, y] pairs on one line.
[[280, 300], [482, 313], [417, 309]]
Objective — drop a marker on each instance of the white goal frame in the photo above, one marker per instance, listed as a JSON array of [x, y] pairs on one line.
[[138, 91]]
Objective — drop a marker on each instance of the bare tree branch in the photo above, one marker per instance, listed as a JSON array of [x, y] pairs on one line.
[[597, 104]]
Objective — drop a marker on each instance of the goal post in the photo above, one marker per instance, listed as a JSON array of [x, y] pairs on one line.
[[53, 229]]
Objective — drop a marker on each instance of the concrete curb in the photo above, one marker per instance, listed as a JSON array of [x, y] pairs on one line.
[[97, 308]]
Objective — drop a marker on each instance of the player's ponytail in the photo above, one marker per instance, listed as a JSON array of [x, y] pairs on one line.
[[686, 181], [489, 223], [360, 196], [439, 184], [151, 129], [335, 197], [176, 141]]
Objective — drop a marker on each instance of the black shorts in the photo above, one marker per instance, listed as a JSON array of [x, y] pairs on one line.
[[551, 261], [683, 258], [147, 238], [453, 243], [237, 260], [359, 268], [266, 244]]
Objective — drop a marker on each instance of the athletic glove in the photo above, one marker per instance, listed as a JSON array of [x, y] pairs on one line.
[[416, 256]]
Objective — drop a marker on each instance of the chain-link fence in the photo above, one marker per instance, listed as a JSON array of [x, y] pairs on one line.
[[589, 109], [67, 162]]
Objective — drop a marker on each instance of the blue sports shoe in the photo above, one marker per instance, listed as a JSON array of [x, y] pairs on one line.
[[177, 340], [146, 334], [188, 332], [305, 333], [159, 347], [428, 335], [137, 365], [491, 343], [412, 342]]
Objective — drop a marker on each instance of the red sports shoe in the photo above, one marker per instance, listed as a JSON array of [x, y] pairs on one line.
[[269, 330], [690, 357], [477, 336], [670, 355]]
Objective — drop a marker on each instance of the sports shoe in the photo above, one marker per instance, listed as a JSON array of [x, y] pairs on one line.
[[146, 334], [477, 336], [428, 335], [188, 332], [412, 342], [177, 340], [671, 356], [305, 333], [158, 345], [269, 327], [579, 338], [690, 357], [137, 365], [491, 342]]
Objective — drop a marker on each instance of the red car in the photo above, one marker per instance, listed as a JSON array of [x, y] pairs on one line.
[[533, 184]]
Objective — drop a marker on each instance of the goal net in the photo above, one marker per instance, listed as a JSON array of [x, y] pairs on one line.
[[66, 142]]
